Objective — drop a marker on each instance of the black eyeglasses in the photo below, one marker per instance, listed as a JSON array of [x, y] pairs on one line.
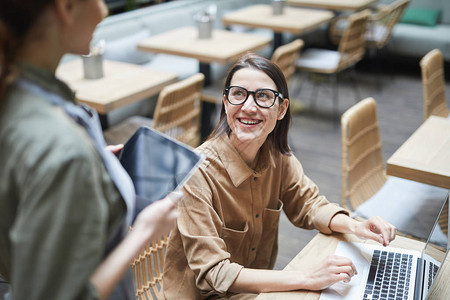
[[264, 98]]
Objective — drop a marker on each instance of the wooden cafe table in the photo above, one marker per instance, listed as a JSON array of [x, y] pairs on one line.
[[323, 245], [334, 5], [121, 85], [223, 47], [294, 20], [425, 156]]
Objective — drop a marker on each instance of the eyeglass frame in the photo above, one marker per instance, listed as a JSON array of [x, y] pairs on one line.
[[227, 90]]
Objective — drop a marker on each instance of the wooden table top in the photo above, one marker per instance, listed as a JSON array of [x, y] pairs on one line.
[[294, 20], [323, 245], [223, 47], [335, 5], [425, 156], [122, 84]]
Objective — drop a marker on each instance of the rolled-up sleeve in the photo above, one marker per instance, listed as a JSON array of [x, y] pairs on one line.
[[303, 204]]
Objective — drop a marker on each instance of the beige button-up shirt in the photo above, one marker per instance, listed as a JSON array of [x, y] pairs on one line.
[[229, 219]]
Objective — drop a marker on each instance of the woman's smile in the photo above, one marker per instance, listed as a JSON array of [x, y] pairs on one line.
[[249, 122]]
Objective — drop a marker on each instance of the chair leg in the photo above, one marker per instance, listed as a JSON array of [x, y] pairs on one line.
[[333, 78], [377, 66], [298, 84], [314, 94], [355, 85]]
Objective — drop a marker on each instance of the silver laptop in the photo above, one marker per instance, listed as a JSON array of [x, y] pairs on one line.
[[391, 273]]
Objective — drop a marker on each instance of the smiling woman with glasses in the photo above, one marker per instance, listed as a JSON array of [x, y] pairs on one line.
[[225, 242]]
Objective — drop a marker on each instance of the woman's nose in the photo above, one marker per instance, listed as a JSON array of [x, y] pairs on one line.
[[250, 104]]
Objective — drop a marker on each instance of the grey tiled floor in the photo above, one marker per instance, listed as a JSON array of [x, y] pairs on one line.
[[316, 140]]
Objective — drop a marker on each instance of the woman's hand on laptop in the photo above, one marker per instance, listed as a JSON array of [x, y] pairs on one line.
[[377, 229], [333, 269]]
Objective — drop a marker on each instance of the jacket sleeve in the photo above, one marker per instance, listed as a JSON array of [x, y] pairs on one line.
[[303, 204], [200, 228]]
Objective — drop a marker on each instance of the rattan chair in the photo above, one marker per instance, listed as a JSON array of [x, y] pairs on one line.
[[177, 114], [433, 84], [379, 30], [147, 269], [382, 22], [285, 57], [350, 51], [178, 110], [410, 206], [379, 26], [363, 172]]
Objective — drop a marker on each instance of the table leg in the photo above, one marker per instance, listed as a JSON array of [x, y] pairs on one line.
[[208, 109], [277, 40], [205, 69], [103, 121]]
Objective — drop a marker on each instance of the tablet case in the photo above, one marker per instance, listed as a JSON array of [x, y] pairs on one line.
[[157, 164]]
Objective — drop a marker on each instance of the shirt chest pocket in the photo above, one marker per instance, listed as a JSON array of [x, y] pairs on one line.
[[236, 242], [267, 247]]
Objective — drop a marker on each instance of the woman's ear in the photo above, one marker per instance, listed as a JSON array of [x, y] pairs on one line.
[[65, 11], [283, 108], [224, 100]]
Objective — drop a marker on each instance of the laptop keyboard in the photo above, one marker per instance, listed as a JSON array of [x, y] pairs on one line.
[[389, 276], [432, 271]]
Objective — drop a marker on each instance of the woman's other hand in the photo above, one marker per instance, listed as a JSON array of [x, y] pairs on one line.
[[377, 229]]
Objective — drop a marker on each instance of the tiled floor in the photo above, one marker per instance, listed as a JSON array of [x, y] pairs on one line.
[[316, 140]]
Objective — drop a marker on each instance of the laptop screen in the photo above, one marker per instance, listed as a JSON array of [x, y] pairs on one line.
[[439, 237], [437, 246]]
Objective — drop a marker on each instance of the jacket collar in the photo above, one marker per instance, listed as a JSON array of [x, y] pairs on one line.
[[46, 80]]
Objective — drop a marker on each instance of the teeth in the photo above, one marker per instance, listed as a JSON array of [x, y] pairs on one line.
[[249, 122]]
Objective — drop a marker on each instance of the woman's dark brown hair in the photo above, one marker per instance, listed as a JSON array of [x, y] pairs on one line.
[[278, 138], [16, 18]]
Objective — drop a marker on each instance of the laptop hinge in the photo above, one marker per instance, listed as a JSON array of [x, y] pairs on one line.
[[419, 279]]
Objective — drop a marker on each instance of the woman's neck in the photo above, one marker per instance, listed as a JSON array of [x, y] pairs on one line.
[[248, 151], [40, 54], [41, 45]]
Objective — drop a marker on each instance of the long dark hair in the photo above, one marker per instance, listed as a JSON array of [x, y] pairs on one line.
[[278, 138], [16, 18]]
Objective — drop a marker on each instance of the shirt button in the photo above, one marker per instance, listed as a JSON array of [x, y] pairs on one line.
[[253, 249], [257, 215], [255, 178]]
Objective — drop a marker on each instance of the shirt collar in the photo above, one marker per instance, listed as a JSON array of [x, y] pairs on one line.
[[236, 167]]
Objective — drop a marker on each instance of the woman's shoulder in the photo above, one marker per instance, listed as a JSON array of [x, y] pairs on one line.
[[32, 129], [288, 162], [211, 149]]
